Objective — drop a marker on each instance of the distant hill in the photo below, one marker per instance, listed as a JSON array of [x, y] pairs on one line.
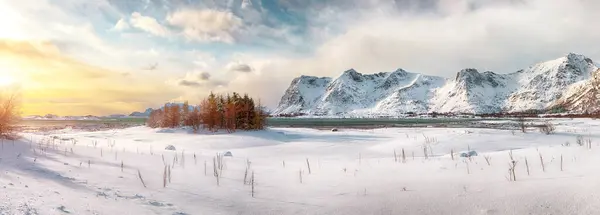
[[149, 110]]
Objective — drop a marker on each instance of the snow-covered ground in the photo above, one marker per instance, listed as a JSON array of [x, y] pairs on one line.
[[351, 172]]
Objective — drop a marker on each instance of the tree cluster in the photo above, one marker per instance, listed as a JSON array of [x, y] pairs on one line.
[[230, 112]]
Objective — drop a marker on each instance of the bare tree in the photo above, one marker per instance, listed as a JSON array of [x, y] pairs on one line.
[[522, 124], [9, 114]]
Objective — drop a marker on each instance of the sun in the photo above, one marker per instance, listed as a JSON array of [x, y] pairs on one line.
[[6, 80]]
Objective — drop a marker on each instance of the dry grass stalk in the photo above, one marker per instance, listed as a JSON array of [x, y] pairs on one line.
[[542, 163], [165, 177], [308, 165], [527, 165], [511, 170], [246, 176], [252, 183], [561, 162], [487, 159], [403, 156], [468, 169], [169, 173], [141, 179]]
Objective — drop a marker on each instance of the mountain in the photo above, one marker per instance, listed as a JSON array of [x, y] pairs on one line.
[[142, 114], [147, 112], [563, 83]]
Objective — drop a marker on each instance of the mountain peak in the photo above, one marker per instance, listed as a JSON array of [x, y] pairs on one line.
[[351, 71], [577, 58], [467, 73], [353, 75]]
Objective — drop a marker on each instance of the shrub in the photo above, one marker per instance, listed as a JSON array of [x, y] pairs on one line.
[[522, 124], [547, 128], [9, 116]]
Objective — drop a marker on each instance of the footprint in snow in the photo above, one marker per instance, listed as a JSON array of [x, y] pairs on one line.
[[159, 204], [63, 209], [489, 211], [155, 203], [103, 194]]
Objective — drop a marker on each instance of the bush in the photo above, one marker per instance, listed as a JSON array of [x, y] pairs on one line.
[[9, 116], [547, 128], [522, 124]]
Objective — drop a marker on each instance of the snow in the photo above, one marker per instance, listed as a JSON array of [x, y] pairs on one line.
[[538, 87], [351, 172]]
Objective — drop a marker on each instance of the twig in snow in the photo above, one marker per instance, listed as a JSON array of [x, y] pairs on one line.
[[542, 163], [487, 159], [561, 162], [252, 183], [527, 165], [141, 179], [165, 177]]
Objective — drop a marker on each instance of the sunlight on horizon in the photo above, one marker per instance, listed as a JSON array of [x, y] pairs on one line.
[[6, 81]]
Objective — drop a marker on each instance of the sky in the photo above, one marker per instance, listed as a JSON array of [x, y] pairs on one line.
[[101, 57]]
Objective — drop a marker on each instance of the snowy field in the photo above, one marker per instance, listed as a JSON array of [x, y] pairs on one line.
[[351, 172]]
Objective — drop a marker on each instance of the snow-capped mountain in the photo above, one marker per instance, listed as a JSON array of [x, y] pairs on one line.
[[148, 111], [562, 82], [142, 114], [583, 97]]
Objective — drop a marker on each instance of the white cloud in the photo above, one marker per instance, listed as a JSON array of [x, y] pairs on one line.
[[148, 24], [198, 79], [121, 25], [206, 25], [239, 67]]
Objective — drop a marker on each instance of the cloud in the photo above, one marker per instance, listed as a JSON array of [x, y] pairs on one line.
[[204, 76], [121, 25], [148, 24], [199, 79], [239, 67], [187, 83], [151, 67], [206, 25]]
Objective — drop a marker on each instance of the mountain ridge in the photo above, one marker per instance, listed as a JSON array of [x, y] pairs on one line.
[[542, 86]]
